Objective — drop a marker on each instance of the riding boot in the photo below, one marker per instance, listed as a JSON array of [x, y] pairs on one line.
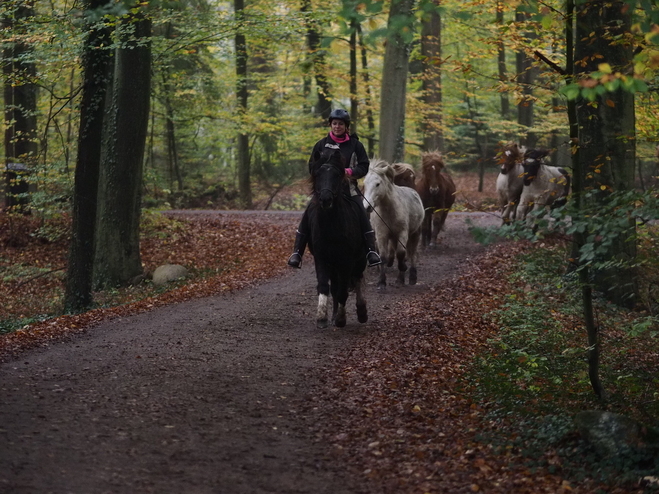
[[372, 258], [295, 261]]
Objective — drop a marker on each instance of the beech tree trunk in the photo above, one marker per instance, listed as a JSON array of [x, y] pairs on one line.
[[317, 61], [20, 98], [394, 82], [354, 102], [244, 181], [370, 121], [96, 72], [526, 75], [170, 125], [607, 145], [501, 62], [431, 52], [117, 261]]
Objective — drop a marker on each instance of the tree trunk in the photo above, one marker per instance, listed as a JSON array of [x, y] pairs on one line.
[[579, 237], [370, 137], [244, 182], [172, 152], [96, 71], [117, 259], [170, 126], [394, 81], [20, 97], [354, 102], [317, 57], [431, 52], [501, 61], [526, 75], [607, 134]]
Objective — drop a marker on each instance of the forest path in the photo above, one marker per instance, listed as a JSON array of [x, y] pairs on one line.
[[213, 395]]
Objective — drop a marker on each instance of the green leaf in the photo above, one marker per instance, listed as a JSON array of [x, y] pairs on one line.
[[612, 85], [641, 86], [571, 91], [589, 93]]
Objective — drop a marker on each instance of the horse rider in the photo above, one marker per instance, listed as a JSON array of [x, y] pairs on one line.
[[349, 146]]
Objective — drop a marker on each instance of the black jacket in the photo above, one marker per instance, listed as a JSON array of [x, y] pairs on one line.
[[348, 148]]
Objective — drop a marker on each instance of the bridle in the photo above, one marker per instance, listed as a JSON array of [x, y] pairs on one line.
[[335, 192]]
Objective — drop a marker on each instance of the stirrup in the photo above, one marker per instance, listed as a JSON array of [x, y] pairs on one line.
[[373, 259], [295, 261]]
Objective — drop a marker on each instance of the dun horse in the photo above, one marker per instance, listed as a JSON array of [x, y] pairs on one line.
[[437, 192], [397, 214], [336, 241]]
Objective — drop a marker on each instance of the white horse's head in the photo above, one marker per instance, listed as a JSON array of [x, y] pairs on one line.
[[378, 183]]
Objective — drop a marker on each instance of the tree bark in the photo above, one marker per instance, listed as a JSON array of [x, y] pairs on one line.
[[501, 62], [317, 61], [370, 121], [96, 72], [354, 102], [526, 75], [117, 259], [394, 81], [20, 97], [431, 52], [607, 146], [170, 126], [244, 182]]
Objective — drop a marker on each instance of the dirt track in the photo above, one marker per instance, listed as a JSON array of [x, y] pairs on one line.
[[215, 395]]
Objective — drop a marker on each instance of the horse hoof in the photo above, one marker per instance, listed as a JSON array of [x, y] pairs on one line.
[[321, 323], [413, 276], [340, 323], [382, 287], [362, 314]]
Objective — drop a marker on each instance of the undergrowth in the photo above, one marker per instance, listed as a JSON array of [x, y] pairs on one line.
[[537, 369]]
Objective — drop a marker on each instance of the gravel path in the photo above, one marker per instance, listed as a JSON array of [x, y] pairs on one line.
[[214, 395]]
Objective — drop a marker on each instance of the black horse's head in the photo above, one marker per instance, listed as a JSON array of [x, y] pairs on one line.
[[327, 175], [533, 158]]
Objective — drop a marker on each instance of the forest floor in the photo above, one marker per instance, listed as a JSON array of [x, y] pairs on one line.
[[224, 385]]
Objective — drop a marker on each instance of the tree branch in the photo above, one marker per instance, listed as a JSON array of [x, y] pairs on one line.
[[553, 65]]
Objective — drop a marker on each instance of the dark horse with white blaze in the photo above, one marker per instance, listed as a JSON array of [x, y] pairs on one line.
[[336, 240]]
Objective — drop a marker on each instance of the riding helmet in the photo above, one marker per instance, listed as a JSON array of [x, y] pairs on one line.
[[339, 114]]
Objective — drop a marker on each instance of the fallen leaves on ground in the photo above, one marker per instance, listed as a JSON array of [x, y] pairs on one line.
[[224, 254], [396, 409]]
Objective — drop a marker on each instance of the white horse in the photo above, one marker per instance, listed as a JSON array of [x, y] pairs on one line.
[[397, 216], [510, 181], [544, 186]]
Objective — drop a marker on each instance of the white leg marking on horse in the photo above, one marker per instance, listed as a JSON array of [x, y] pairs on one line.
[[321, 314]]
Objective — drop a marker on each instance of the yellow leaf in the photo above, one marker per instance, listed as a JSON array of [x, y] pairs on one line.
[[603, 187], [605, 68]]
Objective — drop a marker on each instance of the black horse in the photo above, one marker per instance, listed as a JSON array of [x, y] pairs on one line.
[[336, 242]]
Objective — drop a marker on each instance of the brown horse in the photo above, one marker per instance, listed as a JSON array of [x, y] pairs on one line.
[[404, 175], [437, 192]]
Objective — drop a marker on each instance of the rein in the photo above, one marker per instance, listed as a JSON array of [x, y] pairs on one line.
[[381, 218]]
